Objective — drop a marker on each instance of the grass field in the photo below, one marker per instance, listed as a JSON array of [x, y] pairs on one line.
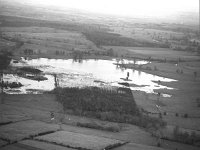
[[43, 145], [25, 129], [147, 34], [44, 40], [182, 108], [37, 108], [154, 53], [77, 140], [130, 146]]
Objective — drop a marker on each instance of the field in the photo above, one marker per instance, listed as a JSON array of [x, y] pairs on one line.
[[76, 140], [43, 145], [46, 41], [25, 129], [127, 133], [162, 54], [36, 145], [40, 107], [182, 108], [148, 34]]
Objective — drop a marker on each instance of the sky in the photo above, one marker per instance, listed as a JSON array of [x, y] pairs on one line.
[[127, 7]]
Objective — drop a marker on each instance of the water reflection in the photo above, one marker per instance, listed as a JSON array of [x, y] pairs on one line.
[[84, 73]]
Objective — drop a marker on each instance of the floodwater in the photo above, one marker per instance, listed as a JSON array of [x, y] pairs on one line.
[[85, 73]]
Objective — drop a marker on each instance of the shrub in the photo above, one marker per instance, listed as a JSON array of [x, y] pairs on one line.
[[100, 127], [185, 116], [158, 144], [148, 68], [181, 71], [5, 58], [155, 68], [198, 101], [177, 71]]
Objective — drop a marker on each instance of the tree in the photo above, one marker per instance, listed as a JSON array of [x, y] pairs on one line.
[[195, 74], [110, 52], [5, 58], [176, 132]]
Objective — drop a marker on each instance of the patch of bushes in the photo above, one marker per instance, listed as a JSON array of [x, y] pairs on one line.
[[99, 127], [155, 68], [185, 115], [148, 68], [158, 144], [104, 104], [78, 56], [185, 137]]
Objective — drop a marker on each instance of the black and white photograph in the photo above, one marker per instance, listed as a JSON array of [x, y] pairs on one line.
[[99, 75]]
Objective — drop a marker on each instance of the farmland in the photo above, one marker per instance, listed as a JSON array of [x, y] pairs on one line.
[[120, 83]]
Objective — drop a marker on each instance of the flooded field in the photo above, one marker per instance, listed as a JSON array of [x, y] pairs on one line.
[[89, 72]]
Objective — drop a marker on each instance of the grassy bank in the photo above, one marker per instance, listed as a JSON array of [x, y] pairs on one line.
[[105, 105]]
